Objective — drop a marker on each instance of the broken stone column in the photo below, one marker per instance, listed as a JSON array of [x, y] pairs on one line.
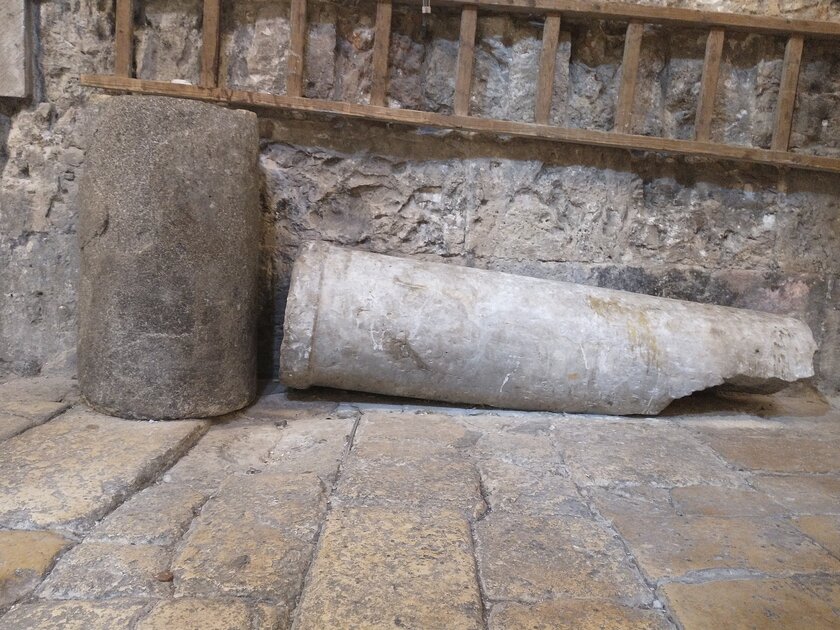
[[169, 234], [374, 323]]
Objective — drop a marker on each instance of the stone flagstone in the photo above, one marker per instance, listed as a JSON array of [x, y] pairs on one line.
[[24, 559], [75, 469]]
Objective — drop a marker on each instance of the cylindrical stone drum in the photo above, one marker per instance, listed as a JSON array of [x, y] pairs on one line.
[[374, 323], [169, 235]]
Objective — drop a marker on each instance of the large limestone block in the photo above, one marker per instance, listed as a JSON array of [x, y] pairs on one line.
[[170, 228], [15, 45], [362, 321]]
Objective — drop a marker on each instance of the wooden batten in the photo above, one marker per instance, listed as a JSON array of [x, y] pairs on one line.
[[466, 59], [708, 84], [548, 65]]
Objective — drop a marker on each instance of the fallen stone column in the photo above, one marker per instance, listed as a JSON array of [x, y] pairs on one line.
[[170, 232], [374, 323]]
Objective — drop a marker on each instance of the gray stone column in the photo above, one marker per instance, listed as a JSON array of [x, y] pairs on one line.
[[362, 321], [169, 235]]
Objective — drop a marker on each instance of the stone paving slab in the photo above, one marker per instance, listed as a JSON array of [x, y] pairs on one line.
[[825, 530], [802, 494], [718, 501], [99, 570], [73, 615], [254, 538], [312, 444], [28, 402], [158, 515], [531, 558], [73, 470], [575, 614], [780, 453], [418, 572], [187, 613], [759, 604], [673, 546], [614, 452], [381, 472], [229, 447], [25, 557]]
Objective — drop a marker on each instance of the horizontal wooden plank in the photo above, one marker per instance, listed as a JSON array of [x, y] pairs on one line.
[[626, 11], [467, 123]]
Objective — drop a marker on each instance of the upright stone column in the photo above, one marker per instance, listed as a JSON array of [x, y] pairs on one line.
[[356, 320], [169, 234]]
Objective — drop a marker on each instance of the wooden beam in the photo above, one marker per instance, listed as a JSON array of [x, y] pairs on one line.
[[629, 75], [708, 84], [787, 93], [467, 123], [466, 58], [626, 11], [548, 64], [297, 23], [210, 40], [124, 38], [381, 45]]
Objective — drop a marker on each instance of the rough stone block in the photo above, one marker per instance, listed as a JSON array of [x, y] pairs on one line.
[[312, 444], [255, 538], [99, 570], [822, 528], [158, 515], [419, 572], [532, 558], [410, 473], [169, 233], [24, 559], [187, 613], [571, 614], [802, 494], [717, 501], [750, 604], [673, 546], [73, 470], [604, 453], [234, 447], [73, 615], [464, 335], [782, 453], [15, 49]]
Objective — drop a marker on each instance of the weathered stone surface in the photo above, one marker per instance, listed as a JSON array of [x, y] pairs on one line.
[[232, 447], [456, 334], [169, 232], [673, 546], [73, 615], [254, 538], [95, 462], [604, 453], [24, 559], [802, 494], [535, 489], [532, 558], [823, 529], [571, 614], [28, 402], [187, 613], [749, 604], [778, 453], [99, 570], [439, 429], [717, 501], [410, 473], [419, 572], [15, 49], [158, 515], [312, 444]]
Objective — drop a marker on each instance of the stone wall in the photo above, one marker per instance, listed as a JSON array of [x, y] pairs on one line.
[[744, 236]]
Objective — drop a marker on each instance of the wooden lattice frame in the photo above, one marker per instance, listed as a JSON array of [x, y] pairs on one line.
[[796, 32]]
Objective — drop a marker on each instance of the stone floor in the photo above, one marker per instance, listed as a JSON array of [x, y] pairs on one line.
[[319, 513]]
